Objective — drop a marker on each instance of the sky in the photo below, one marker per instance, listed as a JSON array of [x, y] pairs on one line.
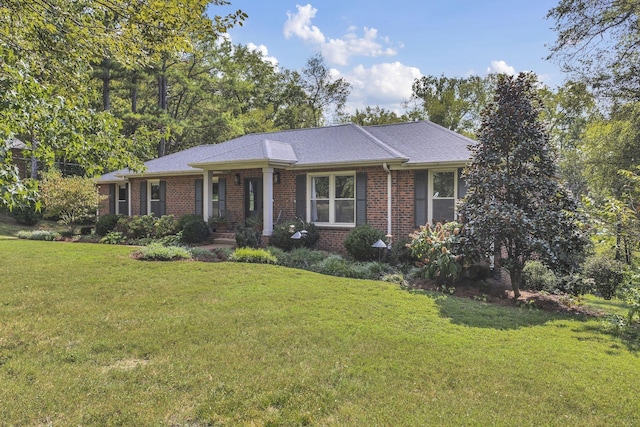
[[381, 47]]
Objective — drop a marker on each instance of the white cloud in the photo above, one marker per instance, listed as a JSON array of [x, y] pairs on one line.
[[265, 53], [501, 67], [336, 50], [299, 25], [386, 85]]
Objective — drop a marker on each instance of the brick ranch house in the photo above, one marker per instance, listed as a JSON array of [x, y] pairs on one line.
[[393, 177]]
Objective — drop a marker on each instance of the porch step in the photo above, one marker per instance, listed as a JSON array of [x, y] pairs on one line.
[[224, 235], [226, 242]]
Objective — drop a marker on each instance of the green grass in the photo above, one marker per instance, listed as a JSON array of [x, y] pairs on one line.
[[613, 306], [89, 336]]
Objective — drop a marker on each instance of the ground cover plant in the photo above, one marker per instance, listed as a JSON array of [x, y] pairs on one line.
[[124, 342]]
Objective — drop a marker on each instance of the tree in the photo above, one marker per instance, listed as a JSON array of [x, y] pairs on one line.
[[599, 41], [514, 202], [72, 199], [453, 102], [323, 89], [375, 116]]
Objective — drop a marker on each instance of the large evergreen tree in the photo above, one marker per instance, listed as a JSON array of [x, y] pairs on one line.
[[514, 202]]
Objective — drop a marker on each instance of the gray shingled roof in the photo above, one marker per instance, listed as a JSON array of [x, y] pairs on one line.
[[408, 143]]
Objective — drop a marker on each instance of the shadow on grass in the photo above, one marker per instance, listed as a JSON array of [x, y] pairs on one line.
[[479, 314], [628, 336]]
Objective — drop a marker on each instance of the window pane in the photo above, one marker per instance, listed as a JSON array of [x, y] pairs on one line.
[[216, 208], [122, 193], [443, 184], [215, 192], [320, 188], [344, 187], [319, 211], [155, 191], [443, 210], [345, 211]]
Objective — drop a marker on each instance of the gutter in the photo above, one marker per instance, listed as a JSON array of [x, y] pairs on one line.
[[388, 171]]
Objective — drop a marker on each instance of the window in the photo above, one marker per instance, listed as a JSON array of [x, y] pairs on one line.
[[122, 193], [121, 203], [332, 199], [215, 198], [154, 191], [443, 196]]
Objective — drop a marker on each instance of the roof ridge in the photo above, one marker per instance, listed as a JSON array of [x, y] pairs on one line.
[[383, 145]]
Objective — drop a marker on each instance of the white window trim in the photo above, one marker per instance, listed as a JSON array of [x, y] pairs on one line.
[[150, 183], [332, 198], [430, 193]]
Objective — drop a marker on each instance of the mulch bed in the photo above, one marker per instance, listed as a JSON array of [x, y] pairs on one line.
[[493, 291]]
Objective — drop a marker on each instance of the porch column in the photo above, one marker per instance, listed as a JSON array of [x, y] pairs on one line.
[[206, 197], [267, 209]]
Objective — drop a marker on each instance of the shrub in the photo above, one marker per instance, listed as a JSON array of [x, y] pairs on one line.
[[184, 219], [253, 255], [359, 240], [113, 238], [247, 237], [107, 223], [538, 277], [281, 237], [333, 265], [304, 258], [26, 215], [400, 253], [575, 284], [436, 249], [137, 227], [157, 252], [606, 273], [166, 225], [200, 254], [39, 235], [196, 231]]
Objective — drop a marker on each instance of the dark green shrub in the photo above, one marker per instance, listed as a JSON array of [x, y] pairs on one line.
[[253, 255], [184, 219], [247, 237], [195, 231], [538, 277], [400, 253], [575, 284], [112, 238], [107, 223], [201, 254], [606, 273], [26, 215], [281, 237], [359, 240]]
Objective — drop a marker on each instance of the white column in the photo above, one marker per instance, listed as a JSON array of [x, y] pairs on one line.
[[267, 197], [206, 197]]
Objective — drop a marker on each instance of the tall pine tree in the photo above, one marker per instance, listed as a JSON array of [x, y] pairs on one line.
[[514, 202]]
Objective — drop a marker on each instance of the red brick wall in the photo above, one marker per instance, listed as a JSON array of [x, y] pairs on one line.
[[103, 207], [181, 200]]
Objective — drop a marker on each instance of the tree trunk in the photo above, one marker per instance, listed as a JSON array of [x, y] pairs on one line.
[[515, 273], [162, 103], [106, 85], [134, 92]]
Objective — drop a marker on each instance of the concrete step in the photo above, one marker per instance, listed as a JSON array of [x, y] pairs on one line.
[[224, 241]]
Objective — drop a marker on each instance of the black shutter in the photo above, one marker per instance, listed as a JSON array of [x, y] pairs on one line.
[[361, 198], [112, 198], [198, 196], [462, 184], [143, 198], [421, 198], [222, 198], [301, 197], [163, 198]]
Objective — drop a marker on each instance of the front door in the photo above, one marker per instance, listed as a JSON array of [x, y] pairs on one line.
[[253, 202]]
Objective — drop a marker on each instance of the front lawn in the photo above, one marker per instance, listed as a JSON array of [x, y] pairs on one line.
[[89, 336]]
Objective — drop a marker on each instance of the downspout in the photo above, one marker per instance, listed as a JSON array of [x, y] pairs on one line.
[[388, 171]]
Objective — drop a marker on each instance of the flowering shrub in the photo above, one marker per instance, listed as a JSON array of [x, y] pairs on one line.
[[436, 249]]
